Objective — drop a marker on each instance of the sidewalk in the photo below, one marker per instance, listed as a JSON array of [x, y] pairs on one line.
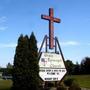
[[85, 89]]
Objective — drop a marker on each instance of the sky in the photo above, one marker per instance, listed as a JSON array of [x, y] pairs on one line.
[[24, 16]]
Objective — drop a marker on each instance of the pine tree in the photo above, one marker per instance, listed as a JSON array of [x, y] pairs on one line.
[[20, 68], [26, 69], [33, 60]]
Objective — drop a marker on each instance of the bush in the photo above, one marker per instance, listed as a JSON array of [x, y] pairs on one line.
[[61, 88], [74, 87], [72, 84], [68, 82], [50, 84]]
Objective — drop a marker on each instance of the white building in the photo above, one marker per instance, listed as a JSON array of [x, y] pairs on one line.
[[0, 75]]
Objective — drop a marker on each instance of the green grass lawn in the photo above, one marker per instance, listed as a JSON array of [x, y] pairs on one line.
[[5, 84], [82, 80]]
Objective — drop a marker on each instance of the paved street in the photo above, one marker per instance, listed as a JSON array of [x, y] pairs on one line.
[[85, 89]]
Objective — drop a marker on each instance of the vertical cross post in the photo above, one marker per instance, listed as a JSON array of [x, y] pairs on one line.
[[51, 26]]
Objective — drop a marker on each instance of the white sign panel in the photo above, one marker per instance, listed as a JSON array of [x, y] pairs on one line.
[[51, 67]]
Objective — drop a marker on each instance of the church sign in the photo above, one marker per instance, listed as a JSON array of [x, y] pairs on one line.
[[51, 63], [52, 67]]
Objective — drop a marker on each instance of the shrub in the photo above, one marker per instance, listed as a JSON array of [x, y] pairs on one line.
[[72, 84], [68, 82], [61, 88], [50, 84], [74, 87]]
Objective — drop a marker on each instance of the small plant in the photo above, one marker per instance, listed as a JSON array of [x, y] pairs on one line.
[[61, 86], [68, 82], [72, 84], [50, 84]]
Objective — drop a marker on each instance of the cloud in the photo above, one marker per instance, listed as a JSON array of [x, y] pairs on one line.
[[67, 43], [8, 45], [3, 19], [70, 43], [88, 44], [3, 28]]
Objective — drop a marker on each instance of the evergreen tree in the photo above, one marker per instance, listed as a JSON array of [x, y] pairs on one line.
[[33, 60], [25, 69], [69, 66], [76, 69], [20, 68], [85, 65], [9, 66], [9, 69]]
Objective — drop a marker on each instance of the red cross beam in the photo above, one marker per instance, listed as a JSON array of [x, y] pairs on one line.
[[51, 19]]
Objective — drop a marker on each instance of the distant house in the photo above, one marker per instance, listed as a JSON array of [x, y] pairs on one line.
[[6, 77], [5, 73], [1, 75]]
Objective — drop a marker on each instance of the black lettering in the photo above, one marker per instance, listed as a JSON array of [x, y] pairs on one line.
[[55, 79], [42, 70], [48, 78], [55, 70], [63, 70], [59, 70], [48, 70], [51, 73]]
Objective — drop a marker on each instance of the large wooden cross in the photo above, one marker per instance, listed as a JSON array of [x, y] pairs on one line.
[[51, 26]]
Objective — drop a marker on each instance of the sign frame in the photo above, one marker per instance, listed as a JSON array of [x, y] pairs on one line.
[[55, 46], [58, 69]]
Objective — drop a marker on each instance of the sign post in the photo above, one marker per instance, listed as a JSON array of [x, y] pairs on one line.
[[51, 64]]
